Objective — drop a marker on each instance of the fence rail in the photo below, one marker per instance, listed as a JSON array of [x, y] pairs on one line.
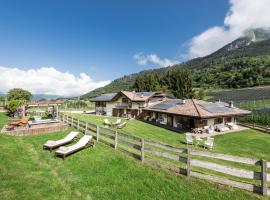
[[160, 155], [256, 126]]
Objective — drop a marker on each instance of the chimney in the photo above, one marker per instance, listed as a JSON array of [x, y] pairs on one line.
[[231, 104]]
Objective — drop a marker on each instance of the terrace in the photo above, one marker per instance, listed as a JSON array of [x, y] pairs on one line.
[[36, 125]]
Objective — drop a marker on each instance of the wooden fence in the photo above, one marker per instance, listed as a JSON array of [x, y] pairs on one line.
[[256, 126], [200, 164]]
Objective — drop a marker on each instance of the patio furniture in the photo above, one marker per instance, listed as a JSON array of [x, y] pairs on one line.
[[51, 144], [146, 118], [232, 126], [189, 139], [122, 125], [198, 140], [81, 144], [118, 121], [209, 143], [22, 122], [106, 122], [208, 129], [222, 128]]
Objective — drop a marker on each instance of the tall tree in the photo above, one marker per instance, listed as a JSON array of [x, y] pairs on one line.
[[19, 94]]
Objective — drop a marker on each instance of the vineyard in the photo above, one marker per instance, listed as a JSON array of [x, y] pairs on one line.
[[255, 99], [246, 94]]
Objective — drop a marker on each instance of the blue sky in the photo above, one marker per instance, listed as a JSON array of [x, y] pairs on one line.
[[100, 37], [78, 45]]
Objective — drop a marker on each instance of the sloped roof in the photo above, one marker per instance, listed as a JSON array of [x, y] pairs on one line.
[[197, 108], [138, 96], [104, 97]]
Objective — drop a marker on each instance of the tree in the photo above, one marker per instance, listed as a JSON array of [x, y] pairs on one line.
[[19, 94], [14, 105], [201, 94], [2, 98]]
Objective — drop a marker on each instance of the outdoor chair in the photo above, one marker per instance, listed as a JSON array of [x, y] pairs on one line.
[[209, 129], [122, 125], [209, 143], [81, 144], [232, 126], [51, 144], [222, 128], [189, 139]]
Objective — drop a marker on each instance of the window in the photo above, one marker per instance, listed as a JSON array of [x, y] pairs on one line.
[[125, 100]]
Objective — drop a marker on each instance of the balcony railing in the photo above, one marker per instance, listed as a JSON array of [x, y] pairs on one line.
[[122, 105]]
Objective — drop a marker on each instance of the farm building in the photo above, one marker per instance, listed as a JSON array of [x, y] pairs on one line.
[[192, 113], [126, 104], [163, 109]]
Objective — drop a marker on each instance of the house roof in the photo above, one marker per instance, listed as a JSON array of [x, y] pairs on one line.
[[196, 108], [138, 96], [104, 97], [133, 96]]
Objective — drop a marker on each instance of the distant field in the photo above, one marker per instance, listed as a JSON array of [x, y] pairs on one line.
[[245, 94], [255, 99]]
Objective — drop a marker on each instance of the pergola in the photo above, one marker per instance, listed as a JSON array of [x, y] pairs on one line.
[[54, 104]]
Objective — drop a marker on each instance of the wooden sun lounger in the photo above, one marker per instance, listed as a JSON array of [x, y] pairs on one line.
[[84, 142], [122, 125], [22, 122], [51, 144]]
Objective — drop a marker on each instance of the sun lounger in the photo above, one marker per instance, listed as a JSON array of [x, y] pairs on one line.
[[209, 143], [81, 144], [122, 125], [106, 122], [21, 122], [118, 121], [51, 144]]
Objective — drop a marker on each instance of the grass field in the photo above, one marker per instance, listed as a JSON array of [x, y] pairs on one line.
[[248, 143], [28, 172]]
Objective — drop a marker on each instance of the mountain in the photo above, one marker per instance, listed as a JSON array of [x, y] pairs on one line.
[[37, 97], [245, 62]]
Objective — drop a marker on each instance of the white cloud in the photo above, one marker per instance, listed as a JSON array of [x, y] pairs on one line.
[[242, 16], [47, 80], [154, 59]]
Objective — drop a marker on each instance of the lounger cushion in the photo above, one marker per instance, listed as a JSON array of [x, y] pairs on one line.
[[80, 144]]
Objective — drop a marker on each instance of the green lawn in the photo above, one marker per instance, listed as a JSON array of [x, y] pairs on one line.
[[28, 172], [247, 143]]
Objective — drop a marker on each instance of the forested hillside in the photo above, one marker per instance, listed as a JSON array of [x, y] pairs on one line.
[[244, 62]]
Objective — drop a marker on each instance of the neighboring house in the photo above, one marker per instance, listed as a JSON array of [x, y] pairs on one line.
[[127, 104], [192, 113], [104, 104]]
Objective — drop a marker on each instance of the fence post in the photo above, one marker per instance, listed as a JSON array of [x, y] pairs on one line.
[[72, 121], [78, 126], [142, 150], [188, 162], [115, 140], [97, 133], [264, 177], [86, 127]]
